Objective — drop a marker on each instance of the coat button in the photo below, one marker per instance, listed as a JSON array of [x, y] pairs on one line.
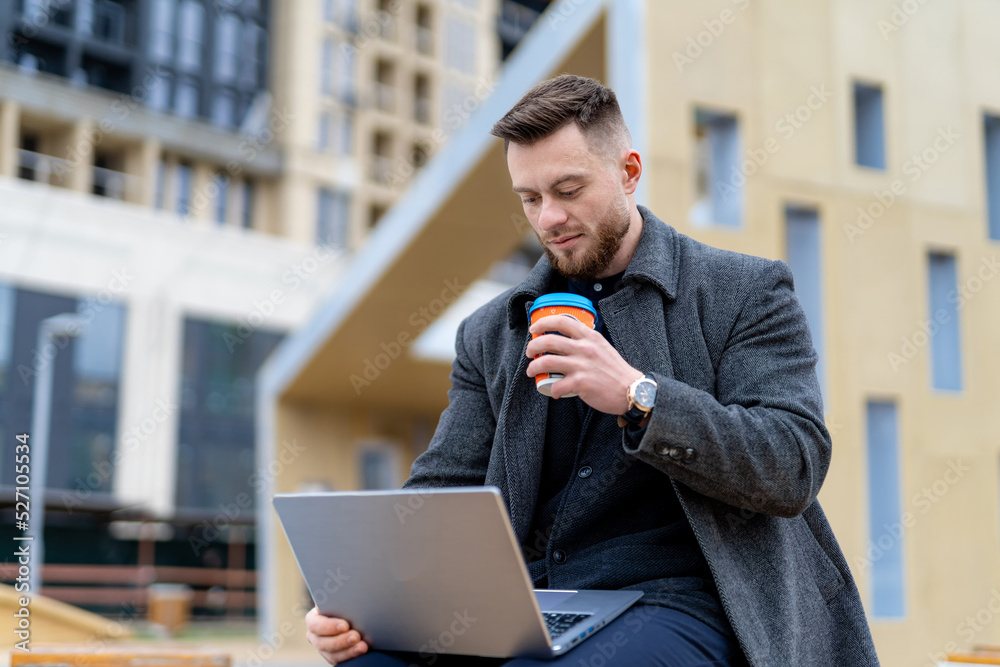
[[585, 471], [662, 449], [690, 454], [677, 452], [559, 556]]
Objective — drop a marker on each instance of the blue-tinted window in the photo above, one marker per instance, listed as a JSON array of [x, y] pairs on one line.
[[216, 438], [86, 374], [992, 135], [6, 331], [869, 126], [802, 236], [333, 218], [886, 529], [221, 198], [718, 180], [942, 323], [182, 184], [246, 205]]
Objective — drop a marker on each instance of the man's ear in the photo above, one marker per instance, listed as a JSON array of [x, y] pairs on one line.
[[632, 171]]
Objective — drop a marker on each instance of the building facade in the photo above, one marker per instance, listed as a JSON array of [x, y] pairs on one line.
[[858, 142]]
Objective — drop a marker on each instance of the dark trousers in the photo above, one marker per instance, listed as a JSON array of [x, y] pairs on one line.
[[644, 636]]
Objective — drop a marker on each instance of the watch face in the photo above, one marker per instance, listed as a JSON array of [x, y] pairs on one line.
[[645, 395]]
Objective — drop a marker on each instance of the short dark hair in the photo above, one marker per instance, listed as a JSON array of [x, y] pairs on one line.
[[556, 102]]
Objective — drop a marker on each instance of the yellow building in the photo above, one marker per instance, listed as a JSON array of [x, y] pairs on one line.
[[856, 140]]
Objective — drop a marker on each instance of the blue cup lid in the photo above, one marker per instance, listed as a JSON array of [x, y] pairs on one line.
[[563, 299]]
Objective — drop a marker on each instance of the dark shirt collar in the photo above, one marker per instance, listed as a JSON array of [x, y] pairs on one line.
[[655, 261]]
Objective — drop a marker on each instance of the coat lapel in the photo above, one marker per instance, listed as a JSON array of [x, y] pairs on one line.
[[634, 317]]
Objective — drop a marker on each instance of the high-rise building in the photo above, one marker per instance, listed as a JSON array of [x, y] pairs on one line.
[[189, 177]]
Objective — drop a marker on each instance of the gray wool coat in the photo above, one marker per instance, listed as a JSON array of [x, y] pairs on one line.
[[737, 430]]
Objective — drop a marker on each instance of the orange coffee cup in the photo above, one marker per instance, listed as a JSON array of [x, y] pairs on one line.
[[559, 303]]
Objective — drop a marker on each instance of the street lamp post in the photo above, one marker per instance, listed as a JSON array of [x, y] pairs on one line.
[[52, 329]]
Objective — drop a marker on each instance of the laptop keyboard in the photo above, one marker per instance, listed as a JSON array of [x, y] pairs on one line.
[[560, 623]]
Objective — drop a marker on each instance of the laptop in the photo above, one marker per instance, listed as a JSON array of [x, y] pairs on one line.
[[435, 571]]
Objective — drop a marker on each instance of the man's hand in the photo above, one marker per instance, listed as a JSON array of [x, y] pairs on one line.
[[593, 369], [333, 637]]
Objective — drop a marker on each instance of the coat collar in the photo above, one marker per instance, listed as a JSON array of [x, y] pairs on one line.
[[655, 261]]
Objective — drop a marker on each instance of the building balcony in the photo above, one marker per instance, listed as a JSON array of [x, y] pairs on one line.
[[385, 97], [424, 40], [422, 110], [43, 168], [381, 169]]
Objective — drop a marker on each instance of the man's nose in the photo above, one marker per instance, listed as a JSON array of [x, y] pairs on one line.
[[551, 216]]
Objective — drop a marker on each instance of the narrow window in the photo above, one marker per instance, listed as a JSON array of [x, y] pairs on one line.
[[718, 180], [804, 253], [886, 526], [992, 129], [942, 324], [869, 126]]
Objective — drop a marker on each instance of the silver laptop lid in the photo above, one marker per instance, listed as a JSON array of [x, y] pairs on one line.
[[437, 571]]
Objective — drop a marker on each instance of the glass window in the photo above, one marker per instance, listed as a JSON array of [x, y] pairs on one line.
[[333, 218], [345, 73], [323, 134], [227, 47], [718, 190], [805, 258], [345, 133], [246, 205], [992, 132], [943, 329], [97, 350], [161, 43], [221, 198], [460, 45], [182, 184], [158, 93], [192, 28], [253, 47], [161, 184], [6, 331], [326, 67], [216, 432], [379, 467], [869, 130], [186, 99], [223, 108], [885, 520]]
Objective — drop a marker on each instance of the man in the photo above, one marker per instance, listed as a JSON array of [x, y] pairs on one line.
[[707, 501]]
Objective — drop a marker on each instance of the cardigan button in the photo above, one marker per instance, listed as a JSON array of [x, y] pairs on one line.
[[677, 453], [690, 454], [559, 556], [585, 471], [662, 449]]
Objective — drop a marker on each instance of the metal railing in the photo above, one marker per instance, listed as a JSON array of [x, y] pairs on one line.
[[42, 168]]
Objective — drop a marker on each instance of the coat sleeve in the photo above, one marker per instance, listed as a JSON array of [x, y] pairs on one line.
[[760, 442], [459, 452]]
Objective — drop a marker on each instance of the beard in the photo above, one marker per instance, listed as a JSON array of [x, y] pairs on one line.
[[589, 264]]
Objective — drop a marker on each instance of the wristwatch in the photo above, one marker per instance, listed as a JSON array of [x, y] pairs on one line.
[[641, 398]]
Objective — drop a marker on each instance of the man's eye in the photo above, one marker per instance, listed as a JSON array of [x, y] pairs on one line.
[[569, 193], [528, 200]]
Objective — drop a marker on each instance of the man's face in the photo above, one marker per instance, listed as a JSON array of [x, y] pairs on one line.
[[574, 199]]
